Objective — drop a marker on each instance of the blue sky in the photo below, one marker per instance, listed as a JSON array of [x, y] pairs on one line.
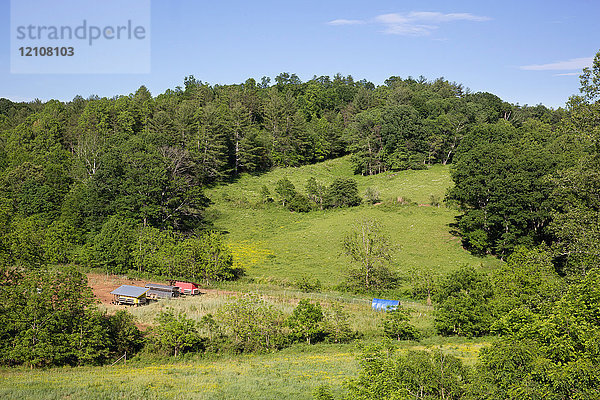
[[526, 52]]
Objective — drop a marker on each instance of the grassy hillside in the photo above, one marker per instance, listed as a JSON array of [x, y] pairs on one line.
[[270, 241]]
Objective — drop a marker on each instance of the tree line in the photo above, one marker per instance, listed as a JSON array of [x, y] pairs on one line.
[[72, 170], [534, 184]]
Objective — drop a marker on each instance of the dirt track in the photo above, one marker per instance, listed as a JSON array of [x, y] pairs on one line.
[[103, 284]]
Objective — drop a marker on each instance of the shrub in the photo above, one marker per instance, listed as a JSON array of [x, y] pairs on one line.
[[286, 190], [251, 324], [337, 325], [397, 326], [434, 200], [265, 195], [175, 334], [343, 192], [204, 257], [323, 392], [388, 374], [308, 285], [463, 303], [306, 322], [299, 203], [372, 195]]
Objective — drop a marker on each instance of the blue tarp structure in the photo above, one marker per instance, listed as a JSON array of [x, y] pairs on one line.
[[385, 305]]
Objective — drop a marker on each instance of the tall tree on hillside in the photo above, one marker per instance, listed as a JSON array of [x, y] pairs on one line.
[[367, 143], [289, 142], [501, 186], [208, 145], [371, 251], [185, 121]]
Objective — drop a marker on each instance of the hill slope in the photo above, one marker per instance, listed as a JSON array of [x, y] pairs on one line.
[[270, 241]]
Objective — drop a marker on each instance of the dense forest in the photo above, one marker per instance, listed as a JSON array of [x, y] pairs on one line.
[[82, 178], [119, 184]]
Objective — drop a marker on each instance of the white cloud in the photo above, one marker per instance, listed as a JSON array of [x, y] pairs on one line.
[[414, 23], [16, 99], [439, 17], [569, 74], [572, 64], [346, 22]]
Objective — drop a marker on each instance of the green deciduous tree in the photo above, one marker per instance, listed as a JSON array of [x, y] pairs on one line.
[[59, 242], [26, 241], [306, 322], [286, 190], [463, 303], [112, 247], [343, 192], [388, 374], [370, 250], [315, 191], [252, 324], [396, 325], [204, 257], [528, 279], [48, 317], [337, 324], [154, 251], [501, 186], [553, 355], [175, 333]]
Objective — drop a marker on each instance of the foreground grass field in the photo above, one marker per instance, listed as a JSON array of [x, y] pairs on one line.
[[270, 241], [292, 373]]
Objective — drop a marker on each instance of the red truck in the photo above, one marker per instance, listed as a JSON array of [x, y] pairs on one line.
[[186, 287]]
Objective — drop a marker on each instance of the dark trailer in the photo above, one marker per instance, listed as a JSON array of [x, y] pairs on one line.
[[157, 291], [127, 294]]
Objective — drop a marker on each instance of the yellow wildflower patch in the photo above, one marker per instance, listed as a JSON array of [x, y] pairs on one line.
[[247, 254]]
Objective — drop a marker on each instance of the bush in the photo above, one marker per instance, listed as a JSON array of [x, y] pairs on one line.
[[49, 319], [388, 374], [397, 326], [252, 325], [323, 392], [204, 257], [306, 322], [265, 195], [463, 303], [337, 325], [308, 285], [343, 192], [127, 337], [175, 334], [299, 203], [424, 284], [372, 195], [286, 190]]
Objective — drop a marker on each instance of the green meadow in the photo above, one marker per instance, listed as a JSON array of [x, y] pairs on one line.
[[292, 373], [277, 247], [269, 241]]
